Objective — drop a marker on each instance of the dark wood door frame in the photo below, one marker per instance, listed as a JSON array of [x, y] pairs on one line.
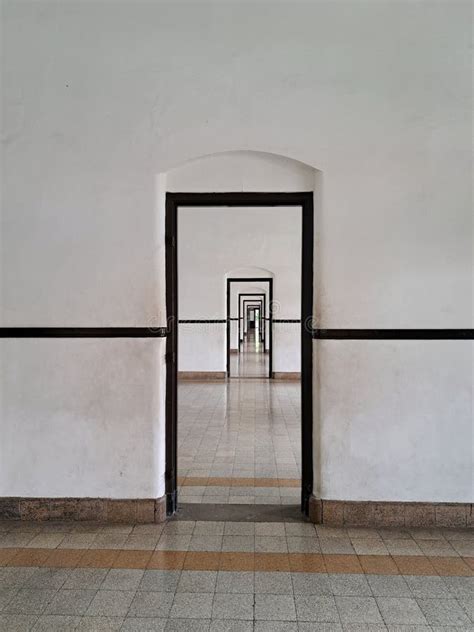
[[301, 199], [263, 299]]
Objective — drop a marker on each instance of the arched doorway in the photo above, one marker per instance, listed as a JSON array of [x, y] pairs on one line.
[[180, 191]]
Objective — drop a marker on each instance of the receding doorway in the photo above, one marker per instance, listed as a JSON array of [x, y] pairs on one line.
[[303, 443], [250, 354]]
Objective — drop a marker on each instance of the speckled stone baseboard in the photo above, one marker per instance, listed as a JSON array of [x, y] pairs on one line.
[[202, 375], [287, 376], [340, 513], [100, 509]]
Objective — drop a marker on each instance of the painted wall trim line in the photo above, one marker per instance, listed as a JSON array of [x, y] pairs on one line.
[[286, 320], [205, 321], [393, 334], [162, 332], [83, 332]]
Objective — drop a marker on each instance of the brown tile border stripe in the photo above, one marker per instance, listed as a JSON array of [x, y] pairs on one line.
[[228, 481], [99, 509], [250, 561], [340, 513]]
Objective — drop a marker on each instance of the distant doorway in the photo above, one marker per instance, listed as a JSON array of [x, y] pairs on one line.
[[253, 357]]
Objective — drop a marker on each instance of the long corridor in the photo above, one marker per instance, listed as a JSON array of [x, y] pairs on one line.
[[251, 361]]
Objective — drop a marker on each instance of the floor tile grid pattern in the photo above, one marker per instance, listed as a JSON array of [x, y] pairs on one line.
[[239, 429], [51, 598]]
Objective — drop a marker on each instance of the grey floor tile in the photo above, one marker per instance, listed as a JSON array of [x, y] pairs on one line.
[[209, 528], [205, 543], [388, 586], [90, 578], [275, 607], [46, 541], [173, 542], [233, 606], [111, 603], [161, 581], [56, 623], [269, 529], [15, 577], [403, 547], [301, 544], [300, 529], [122, 579], [270, 544], [29, 601], [179, 527], [229, 625], [369, 546], [316, 608], [460, 587], [151, 604], [311, 584], [273, 583], [336, 546], [77, 541], [100, 624], [6, 595], [108, 541], [350, 585], [53, 578], [187, 625], [308, 626], [376, 627], [141, 542], [197, 581], [358, 610], [238, 543], [400, 610], [192, 606], [143, 624], [468, 604], [276, 626], [443, 612], [428, 587], [239, 528], [17, 623], [235, 582], [70, 602]]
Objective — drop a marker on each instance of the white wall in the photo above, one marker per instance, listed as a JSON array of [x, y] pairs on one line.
[[97, 99], [212, 243], [82, 418]]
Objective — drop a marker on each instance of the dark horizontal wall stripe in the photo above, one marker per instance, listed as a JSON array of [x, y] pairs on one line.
[[286, 320], [393, 334], [200, 321], [162, 332], [83, 332]]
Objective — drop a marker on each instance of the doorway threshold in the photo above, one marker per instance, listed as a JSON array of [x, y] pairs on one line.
[[239, 513]]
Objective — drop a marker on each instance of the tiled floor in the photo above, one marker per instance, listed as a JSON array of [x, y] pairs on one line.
[[234, 576], [235, 436]]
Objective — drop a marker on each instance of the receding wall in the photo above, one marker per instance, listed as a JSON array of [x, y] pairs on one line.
[[219, 243], [96, 101]]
